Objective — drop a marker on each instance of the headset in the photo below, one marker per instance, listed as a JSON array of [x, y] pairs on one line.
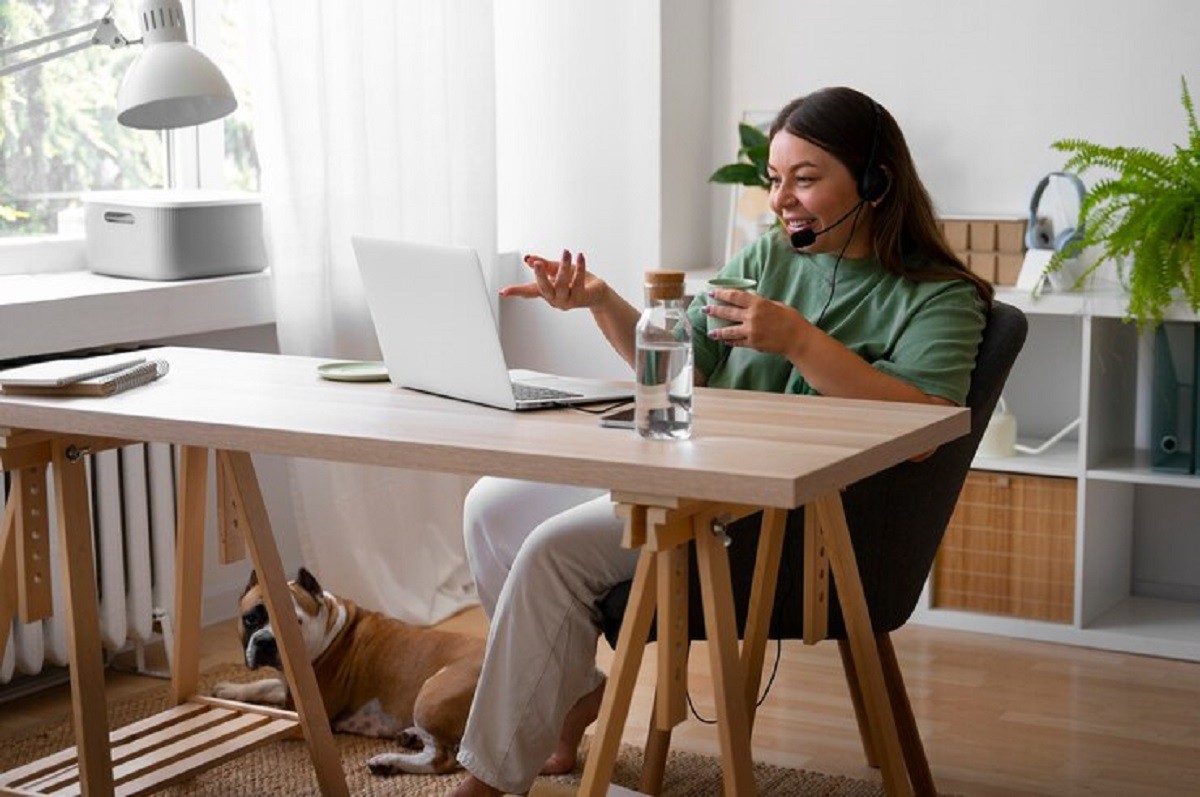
[[873, 182], [1037, 237], [872, 185]]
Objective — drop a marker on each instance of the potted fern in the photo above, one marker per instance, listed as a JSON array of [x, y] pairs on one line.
[[1145, 219]]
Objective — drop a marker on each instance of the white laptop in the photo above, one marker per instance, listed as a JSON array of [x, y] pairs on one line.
[[434, 322]]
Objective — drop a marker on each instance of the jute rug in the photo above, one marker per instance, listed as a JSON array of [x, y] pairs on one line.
[[283, 768]]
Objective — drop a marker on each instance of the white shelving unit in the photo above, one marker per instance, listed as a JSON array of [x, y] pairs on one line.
[[1137, 540]]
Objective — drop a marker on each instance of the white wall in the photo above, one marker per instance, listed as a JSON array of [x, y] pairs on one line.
[[587, 145], [981, 89], [687, 134], [611, 115]]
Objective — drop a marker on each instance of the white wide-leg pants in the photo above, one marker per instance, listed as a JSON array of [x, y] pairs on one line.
[[542, 555]]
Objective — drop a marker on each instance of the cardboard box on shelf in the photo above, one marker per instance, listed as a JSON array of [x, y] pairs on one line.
[[1008, 267], [956, 234], [983, 264], [1010, 237], [983, 236], [991, 246]]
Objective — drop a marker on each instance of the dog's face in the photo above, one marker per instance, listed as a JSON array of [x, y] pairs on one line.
[[316, 610]]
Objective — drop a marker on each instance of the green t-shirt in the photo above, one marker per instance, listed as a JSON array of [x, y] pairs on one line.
[[925, 333]]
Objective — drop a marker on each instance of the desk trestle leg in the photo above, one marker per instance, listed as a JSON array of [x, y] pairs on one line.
[[296, 666], [35, 600], [83, 619], [662, 528], [614, 708], [868, 669], [198, 732], [189, 572], [762, 604], [670, 697], [733, 722]]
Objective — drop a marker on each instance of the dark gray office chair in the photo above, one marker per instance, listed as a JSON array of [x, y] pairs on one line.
[[896, 520]]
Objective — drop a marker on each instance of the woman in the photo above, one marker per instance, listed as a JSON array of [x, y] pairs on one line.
[[858, 296]]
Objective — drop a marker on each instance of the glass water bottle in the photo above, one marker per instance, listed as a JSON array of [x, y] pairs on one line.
[[663, 363]]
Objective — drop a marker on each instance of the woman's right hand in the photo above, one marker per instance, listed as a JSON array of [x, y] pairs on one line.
[[564, 285]]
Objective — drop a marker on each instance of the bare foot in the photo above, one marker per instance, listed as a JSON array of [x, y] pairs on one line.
[[471, 786], [581, 715]]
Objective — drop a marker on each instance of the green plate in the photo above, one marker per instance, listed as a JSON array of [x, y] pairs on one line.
[[353, 372]]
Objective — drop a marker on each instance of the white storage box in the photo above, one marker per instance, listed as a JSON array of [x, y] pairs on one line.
[[174, 235]]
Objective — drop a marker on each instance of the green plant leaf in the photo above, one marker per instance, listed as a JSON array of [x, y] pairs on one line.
[[758, 154], [1194, 285], [752, 137], [1145, 215], [1193, 128], [737, 173]]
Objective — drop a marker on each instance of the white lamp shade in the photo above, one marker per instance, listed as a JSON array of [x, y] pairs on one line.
[[172, 84]]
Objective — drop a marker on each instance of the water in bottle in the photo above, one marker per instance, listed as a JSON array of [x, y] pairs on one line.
[[663, 364]]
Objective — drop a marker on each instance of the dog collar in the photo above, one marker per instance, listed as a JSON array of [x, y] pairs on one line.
[[338, 624]]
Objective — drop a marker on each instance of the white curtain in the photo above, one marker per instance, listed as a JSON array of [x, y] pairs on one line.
[[372, 117]]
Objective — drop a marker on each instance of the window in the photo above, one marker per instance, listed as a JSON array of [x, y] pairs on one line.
[[59, 135]]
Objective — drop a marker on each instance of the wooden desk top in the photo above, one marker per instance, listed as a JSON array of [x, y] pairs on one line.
[[748, 447]]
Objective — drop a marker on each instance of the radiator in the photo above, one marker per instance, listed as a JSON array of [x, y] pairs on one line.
[[133, 528]]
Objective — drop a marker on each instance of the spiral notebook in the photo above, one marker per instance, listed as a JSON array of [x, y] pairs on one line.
[[87, 383]]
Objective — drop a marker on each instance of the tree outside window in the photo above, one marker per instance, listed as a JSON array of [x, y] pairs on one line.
[[59, 136]]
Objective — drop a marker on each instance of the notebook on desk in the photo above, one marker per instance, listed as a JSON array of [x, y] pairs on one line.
[[59, 373], [435, 327]]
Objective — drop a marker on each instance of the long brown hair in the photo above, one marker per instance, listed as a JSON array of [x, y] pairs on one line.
[[843, 122]]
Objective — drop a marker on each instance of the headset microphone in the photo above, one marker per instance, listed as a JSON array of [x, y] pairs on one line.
[[872, 185], [802, 239]]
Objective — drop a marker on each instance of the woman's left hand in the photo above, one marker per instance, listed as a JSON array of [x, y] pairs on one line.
[[758, 323]]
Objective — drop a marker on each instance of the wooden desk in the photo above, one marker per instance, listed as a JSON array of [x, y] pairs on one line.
[[750, 450]]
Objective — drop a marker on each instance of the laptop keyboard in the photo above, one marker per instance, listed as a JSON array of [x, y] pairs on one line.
[[523, 392]]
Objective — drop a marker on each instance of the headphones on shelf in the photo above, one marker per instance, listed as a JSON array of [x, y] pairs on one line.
[[873, 182], [1039, 237]]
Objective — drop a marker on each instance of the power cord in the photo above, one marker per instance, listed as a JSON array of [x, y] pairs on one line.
[[787, 577], [766, 689]]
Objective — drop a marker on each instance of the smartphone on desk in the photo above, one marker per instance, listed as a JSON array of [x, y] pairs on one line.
[[621, 418]]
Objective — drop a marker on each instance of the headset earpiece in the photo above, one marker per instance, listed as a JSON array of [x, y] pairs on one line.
[[1067, 238], [874, 185], [874, 181], [1037, 236]]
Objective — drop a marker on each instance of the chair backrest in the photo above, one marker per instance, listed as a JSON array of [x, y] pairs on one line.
[[896, 518]]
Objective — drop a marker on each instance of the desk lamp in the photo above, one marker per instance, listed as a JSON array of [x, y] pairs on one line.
[[170, 84]]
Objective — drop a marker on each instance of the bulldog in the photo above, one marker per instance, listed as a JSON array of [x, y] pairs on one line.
[[378, 676]]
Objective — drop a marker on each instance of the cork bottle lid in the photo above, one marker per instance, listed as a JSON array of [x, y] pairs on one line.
[[662, 284]]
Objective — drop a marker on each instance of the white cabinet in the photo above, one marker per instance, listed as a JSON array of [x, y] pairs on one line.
[[1137, 541]]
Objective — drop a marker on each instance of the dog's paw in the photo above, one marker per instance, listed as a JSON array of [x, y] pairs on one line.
[[385, 764], [431, 758], [227, 690]]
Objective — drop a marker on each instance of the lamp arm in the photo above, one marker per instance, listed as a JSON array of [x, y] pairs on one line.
[[104, 31]]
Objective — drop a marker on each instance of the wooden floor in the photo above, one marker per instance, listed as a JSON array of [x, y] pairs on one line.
[[998, 716]]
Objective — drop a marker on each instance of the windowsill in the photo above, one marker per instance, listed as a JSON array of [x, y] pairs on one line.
[[63, 311]]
